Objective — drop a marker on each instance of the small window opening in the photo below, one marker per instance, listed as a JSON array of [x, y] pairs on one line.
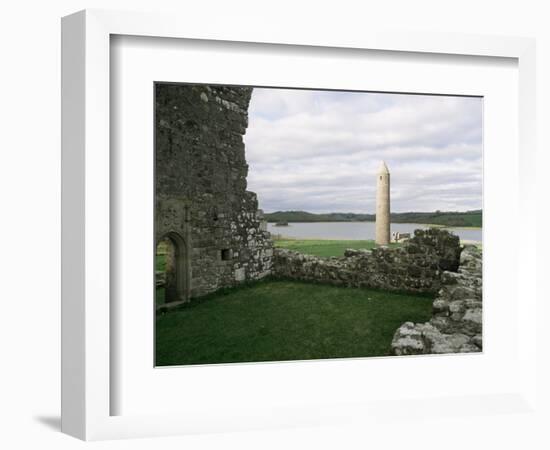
[[226, 254]]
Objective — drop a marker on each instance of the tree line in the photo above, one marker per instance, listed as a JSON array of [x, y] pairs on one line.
[[445, 218]]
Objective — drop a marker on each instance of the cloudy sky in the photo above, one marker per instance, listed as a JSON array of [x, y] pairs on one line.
[[319, 151]]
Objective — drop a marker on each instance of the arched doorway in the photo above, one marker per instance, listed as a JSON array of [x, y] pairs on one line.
[[172, 269]]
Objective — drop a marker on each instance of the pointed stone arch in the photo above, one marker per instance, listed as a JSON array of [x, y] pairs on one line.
[[178, 268]]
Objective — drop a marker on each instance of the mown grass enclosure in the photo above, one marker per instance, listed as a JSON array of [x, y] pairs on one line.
[[325, 247], [284, 320]]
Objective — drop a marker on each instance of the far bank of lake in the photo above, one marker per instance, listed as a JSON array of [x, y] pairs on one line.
[[357, 230]]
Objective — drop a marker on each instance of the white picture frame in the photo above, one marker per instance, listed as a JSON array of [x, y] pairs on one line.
[[86, 247]]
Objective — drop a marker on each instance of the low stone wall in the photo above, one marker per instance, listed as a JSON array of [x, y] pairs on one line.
[[415, 267], [456, 326]]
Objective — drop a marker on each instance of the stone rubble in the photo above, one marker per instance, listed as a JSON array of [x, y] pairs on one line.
[[456, 325], [415, 267]]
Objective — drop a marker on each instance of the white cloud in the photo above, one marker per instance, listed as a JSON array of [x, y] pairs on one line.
[[319, 150]]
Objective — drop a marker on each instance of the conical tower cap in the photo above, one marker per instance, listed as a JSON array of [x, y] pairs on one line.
[[383, 168]]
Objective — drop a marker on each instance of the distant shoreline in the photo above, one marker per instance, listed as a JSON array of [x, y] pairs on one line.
[[454, 219], [430, 225], [282, 238]]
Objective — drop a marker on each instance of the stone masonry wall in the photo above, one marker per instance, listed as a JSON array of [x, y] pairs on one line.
[[456, 325], [415, 267], [200, 185]]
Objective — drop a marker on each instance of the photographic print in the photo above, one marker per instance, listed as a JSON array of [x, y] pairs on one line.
[[303, 224]]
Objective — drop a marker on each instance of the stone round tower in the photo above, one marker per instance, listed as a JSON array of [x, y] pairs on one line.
[[383, 205]]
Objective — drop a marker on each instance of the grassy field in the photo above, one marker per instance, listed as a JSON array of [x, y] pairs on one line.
[[160, 262], [323, 247], [159, 296], [160, 265], [280, 320]]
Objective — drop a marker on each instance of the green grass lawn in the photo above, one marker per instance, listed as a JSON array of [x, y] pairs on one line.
[[160, 262], [160, 265], [282, 320], [159, 296], [324, 247]]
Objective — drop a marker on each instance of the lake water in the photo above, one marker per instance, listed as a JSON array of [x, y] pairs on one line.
[[356, 230]]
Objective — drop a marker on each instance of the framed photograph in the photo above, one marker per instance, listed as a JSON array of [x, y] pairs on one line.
[[269, 231], [311, 274]]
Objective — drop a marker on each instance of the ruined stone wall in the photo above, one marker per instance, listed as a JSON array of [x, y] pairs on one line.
[[200, 185], [415, 267], [456, 325]]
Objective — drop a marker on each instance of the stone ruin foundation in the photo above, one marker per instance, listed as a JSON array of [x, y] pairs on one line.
[[433, 261], [456, 325], [416, 267], [202, 207]]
